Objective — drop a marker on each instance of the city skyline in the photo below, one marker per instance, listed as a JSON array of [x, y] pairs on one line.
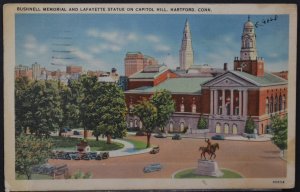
[[100, 42]]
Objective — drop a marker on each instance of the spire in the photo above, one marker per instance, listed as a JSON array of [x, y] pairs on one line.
[[186, 53], [248, 47]]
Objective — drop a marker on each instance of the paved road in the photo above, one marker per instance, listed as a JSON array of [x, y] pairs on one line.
[[251, 159]]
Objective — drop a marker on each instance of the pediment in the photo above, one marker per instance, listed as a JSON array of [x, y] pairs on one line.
[[229, 80]]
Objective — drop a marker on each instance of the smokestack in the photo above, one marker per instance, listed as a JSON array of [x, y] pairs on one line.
[[225, 67]]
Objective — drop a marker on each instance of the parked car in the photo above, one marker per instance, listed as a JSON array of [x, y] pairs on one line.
[[76, 133], [102, 155], [176, 137], [217, 137], [160, 135], [152, 167], [154, 150], [140, 133]]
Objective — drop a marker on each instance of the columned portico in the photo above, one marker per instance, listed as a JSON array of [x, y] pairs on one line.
[[242, 102]]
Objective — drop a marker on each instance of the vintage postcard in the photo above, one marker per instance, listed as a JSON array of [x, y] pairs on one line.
[[149, 96]]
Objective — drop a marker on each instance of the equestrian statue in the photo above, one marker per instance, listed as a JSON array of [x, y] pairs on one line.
[[210, 149]]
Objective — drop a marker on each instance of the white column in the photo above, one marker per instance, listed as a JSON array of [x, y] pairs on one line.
[[211, 102], [216, 99], [245, 102], [231, 102], [223, 102], [240, 102]]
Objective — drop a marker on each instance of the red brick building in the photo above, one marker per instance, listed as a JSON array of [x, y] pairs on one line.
[[226, 99], [71, 69], [136, 61], [282, 74]]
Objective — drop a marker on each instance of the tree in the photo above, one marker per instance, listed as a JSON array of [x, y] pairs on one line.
[[31, 150], [21, 86], [147, 113], [202, 123], [86, 103], [249, 126], [279, 130], [42, 103], [110, 110], [165, 106]]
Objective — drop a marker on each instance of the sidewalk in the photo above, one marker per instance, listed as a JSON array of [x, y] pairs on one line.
[[128, 148]]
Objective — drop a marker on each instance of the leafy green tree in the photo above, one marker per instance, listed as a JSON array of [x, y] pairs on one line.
[[279, 130], [110, 110], [147, 113], [31, 150], [43, 104], [21, 104], [202, 123], [87, 100], [250, 125], [165, 106]]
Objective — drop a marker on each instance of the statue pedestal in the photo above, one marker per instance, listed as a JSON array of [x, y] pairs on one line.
[[208, 168]]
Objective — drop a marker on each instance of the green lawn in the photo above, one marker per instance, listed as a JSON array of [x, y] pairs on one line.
[[33, 177], [189, 173], [69, 143], [138, 145]]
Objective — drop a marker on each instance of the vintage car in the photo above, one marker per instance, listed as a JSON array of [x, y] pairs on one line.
[[152, 167], [160, 135], [154, 150], [217, 137], [176, 137]]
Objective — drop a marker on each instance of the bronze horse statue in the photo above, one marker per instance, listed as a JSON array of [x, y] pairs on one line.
[[211, 151]]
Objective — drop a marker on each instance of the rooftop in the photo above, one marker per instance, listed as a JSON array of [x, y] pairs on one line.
[[175, 85], [267, 80], [149, 75]]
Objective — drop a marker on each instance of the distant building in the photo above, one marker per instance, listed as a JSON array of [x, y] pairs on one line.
[[23, 71], [186, 53], [36, 71], [71, 69], [136, 61], [282, 74]]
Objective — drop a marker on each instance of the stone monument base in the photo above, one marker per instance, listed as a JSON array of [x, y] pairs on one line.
[[208, 168]]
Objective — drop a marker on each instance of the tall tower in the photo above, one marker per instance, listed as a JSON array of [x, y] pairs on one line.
[[249, 61], [186, 53], [36, 71]]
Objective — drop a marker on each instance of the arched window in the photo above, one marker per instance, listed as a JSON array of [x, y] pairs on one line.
[[130, 123], [218, 128], [226, 128], [181, 126], [283, 102], [136, 123], [271, 105], [194, 108], [267, 105], [171, 126], [276, 104], [280, 103], [182, 108], [234, 129]]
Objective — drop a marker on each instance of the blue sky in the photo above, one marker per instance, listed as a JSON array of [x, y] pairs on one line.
[[101, 41]]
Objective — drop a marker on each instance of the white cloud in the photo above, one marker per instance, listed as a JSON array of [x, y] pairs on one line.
[[33, 47], [152, 38], [105, 47], [161, 47], [171, 61]]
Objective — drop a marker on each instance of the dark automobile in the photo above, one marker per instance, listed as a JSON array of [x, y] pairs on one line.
[[176, 137], [152, 167], [154, 150], [102, 155], [160, 135], [217, 137], [140, 133]]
